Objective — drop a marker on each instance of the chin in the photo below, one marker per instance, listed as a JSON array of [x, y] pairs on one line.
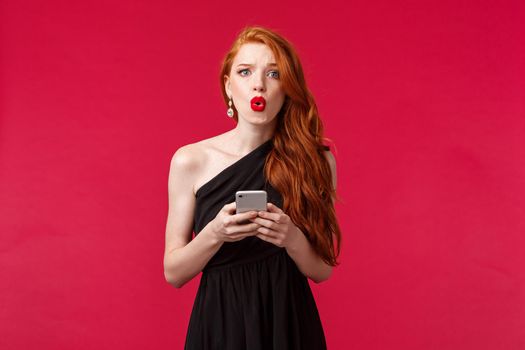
[[260, 121], [258, 118]]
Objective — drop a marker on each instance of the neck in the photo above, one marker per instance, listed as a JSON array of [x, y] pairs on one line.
[[245, 138]]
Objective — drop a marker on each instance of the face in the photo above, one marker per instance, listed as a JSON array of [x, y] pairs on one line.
[[254, 73]]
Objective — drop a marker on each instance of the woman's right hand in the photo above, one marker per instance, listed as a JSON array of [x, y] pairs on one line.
[[230, 227]]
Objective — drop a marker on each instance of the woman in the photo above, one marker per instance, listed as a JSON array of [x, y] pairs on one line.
[[254, 292]]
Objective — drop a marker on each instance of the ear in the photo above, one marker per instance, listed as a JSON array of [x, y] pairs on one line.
[[227, 85]]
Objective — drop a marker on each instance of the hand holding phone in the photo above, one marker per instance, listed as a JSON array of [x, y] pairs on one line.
[[227, 226], [250, 200]]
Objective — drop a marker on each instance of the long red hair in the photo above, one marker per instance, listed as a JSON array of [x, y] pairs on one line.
[[297, 166]]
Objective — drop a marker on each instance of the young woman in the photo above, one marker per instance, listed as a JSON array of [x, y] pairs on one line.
[[254, 293]]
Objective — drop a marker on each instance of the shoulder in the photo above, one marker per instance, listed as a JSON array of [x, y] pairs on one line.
[[191, 160], [192, 155], [187, 158]]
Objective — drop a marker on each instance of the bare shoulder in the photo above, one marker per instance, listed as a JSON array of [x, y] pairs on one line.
[[192, 162], [192, 157], [188, 162], [196, 151], [187, 157]]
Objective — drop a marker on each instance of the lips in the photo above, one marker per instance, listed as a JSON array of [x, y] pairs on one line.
[[258, 103]]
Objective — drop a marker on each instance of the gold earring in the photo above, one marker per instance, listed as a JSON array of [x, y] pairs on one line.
[[230, 110]]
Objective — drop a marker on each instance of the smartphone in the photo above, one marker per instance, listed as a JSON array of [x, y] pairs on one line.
[[250, 200]]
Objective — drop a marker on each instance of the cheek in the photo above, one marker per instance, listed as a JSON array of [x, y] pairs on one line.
[[279, 100], [238, 89]]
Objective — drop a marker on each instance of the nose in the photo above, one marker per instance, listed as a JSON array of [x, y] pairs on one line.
[[258, 82]]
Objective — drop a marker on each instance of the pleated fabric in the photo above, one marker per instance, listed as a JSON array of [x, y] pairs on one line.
[[251, 295]]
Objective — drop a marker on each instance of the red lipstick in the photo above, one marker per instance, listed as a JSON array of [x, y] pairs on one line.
[[258, 103]]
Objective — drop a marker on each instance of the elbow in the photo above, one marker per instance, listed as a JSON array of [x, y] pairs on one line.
[[170, 274], [324, 277], [172, 280], [319, 280]]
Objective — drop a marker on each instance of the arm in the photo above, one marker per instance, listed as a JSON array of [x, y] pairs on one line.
[[184, 258], [301, 251], [281, 231]]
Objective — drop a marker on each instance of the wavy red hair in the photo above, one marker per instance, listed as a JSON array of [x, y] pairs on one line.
[[297, 166]]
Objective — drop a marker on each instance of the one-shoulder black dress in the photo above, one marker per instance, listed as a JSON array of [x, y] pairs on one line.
[[251, 295]]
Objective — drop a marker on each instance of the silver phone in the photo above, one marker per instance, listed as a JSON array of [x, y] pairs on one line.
[[250, 200]]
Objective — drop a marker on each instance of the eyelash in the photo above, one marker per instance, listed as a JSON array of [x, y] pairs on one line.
[[242, 70]]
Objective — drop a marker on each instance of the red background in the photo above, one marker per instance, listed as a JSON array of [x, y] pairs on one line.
[[424, 102]]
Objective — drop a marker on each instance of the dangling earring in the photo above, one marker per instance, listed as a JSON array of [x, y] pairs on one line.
[[230, 110]]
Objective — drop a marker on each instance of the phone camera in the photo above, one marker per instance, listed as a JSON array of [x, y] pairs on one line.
[[240, 196]]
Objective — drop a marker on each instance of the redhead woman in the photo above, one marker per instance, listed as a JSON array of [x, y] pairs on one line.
[[254, 292]]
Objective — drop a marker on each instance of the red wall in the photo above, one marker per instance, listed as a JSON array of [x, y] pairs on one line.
[[424, 102]]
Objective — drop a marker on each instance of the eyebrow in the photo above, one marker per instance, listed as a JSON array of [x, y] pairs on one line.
[[250, 65]]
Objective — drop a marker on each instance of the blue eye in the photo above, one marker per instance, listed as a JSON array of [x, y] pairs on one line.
[[276, 73], [240, 72]]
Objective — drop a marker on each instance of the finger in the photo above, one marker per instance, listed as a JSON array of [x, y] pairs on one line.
[[274, 209], [266, 223], [265, 238], [246, 216], [269, 216], [267, 232], [243, 235], [230, 207], [246, 228]]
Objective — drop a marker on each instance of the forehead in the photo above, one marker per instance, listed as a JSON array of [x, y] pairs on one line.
[[254, 53]]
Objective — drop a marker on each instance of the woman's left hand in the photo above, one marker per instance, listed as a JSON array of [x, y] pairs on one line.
[[277, 227]]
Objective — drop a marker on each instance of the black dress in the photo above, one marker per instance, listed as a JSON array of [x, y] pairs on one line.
[[251, 295]]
